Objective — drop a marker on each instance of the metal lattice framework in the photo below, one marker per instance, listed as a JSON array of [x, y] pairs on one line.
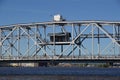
[[86, 40]]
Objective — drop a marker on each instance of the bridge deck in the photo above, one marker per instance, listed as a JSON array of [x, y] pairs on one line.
[[62, 60]]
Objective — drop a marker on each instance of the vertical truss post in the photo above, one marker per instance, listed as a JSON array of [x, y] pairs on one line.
[[18, 43], [0, 43], [61, 48], [92, 41], [54, 39], [118, 32], [79, 30], [119, 36], [114, 38], [45, 39], [72, 39], [36, 27], [28, 42], [98, 42], [11, 44]]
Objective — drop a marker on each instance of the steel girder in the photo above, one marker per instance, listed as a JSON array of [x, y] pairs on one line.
[[89, 39]]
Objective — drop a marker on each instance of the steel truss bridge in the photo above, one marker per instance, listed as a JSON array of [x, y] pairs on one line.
[[61, 41]]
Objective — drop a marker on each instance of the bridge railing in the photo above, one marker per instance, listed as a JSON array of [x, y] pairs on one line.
[[62, 58]]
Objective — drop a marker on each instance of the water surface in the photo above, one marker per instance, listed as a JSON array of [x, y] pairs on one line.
[[58, 73]]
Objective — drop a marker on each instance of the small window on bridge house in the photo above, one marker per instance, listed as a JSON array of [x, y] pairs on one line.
[[60, 37]]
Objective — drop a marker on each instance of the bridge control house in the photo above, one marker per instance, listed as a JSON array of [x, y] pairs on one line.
[[60, 37]]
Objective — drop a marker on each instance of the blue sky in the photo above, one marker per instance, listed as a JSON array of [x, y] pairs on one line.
[[25, 11]]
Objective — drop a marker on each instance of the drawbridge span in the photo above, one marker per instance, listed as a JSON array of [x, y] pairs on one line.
[[61, 41]]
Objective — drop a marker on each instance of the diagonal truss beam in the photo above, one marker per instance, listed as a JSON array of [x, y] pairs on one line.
[[9, 34], [34, 41], [107, 34]]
